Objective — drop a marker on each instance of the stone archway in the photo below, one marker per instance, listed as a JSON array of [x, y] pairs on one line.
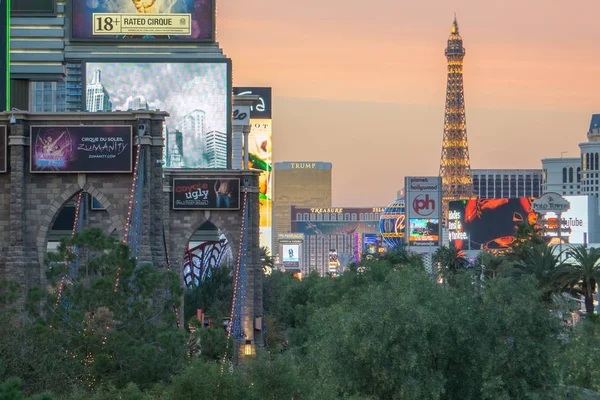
[[179, 246], [116, 223]]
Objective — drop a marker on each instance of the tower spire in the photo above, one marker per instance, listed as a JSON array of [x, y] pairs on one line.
[[455, 167]]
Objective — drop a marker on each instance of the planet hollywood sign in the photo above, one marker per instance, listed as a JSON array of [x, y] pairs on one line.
[[550, 202]]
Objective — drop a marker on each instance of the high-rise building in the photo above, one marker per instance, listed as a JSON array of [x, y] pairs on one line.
[[561, 175], [332, 230], [507, 183], [193, 129], [173, 148], [216, 149], [138, 103], [455, 168], [590, 166], [304, 184], [58, 96], [97, 97]]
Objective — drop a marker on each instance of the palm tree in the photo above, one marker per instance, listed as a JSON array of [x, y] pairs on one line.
[[450, 259], [266, 261], [526, 236], [540, 262], [583, 272], [492, 263]]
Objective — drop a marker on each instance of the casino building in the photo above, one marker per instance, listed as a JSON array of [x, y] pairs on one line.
[[299, 183]]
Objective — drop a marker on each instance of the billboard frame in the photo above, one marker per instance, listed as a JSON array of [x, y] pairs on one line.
[[216, 177], [31, 148], [158, 60], [101, 41]]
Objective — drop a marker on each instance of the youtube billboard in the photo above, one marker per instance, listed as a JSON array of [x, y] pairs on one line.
[[423, 210]]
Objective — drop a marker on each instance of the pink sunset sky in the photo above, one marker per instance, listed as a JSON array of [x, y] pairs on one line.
[[362, 83]]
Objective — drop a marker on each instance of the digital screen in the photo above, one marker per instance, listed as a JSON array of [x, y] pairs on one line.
[[488, 223], [206, 194], [197, 132], [81, 148], [260, 156], [135, 20], [371, 244], [424, 232], [290, 253]]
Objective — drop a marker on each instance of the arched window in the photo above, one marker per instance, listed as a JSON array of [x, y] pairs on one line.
[[299, 217], [565, 175], [596, 161], [570, 174], [587, 161], [578, 174]]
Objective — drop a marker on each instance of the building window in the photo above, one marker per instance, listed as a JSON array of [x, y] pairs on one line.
[[326, 217], [570, 174], [347, 216], [565, 175], [578, 174], [587, 162], [361, 216], [353, 216], [306, 217], [298, 217], [596, 161], [319, 217]]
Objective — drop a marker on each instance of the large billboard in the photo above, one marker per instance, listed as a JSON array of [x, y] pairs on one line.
[[489, 223], [574, 227], [81, 149], [260, 156], [143, 20], [335, 221], [196, 96], [423, 207], [206, 194]]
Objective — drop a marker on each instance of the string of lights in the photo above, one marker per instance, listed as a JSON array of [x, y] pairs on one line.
[[76, 227], [239, 284]]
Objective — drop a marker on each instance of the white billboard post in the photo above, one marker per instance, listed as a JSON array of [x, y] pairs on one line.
[[555, 203], [423, 196]]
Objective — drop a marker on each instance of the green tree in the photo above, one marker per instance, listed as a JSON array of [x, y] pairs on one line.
[[526, 236], [451, 261], [113, 316], [542, 264], [582, 270], [490, 264], [266, 261], [213, 295]]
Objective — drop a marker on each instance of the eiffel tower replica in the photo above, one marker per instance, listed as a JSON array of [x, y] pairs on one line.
[[455, 167]]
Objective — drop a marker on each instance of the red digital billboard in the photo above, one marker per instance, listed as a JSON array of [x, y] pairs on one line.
[[487, 224]]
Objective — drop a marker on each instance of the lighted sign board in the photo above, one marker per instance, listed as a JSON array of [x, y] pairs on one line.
[[424, 232], [206, 194], [143, 20], [260, 155], [81, 149], [487, 223], [195, 94]]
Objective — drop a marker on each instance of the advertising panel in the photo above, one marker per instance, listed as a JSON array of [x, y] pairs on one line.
[[487, 224], [3, 149], [335, 227], [424, 231], [291, 255], [81, 149], [574, 227], [143, 20], [424, 202], [206, 194], [197, 132], [260, 155]]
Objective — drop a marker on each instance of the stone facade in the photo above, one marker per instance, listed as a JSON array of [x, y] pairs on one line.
[[31, 202]]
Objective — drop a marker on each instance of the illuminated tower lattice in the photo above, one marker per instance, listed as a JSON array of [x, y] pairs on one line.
[[455, 168]]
